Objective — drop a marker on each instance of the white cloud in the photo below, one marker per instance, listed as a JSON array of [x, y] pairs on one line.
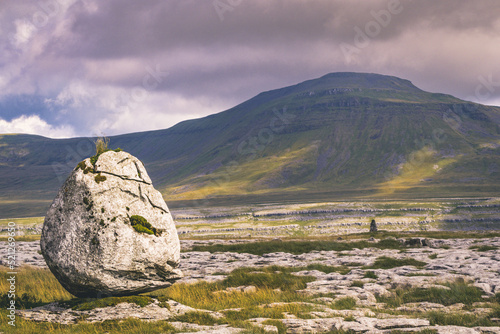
[[24, 32], [111, 110], [156, 111], [33, 124]]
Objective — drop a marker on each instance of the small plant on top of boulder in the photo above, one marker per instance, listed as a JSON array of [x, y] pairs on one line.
[[101, 145]]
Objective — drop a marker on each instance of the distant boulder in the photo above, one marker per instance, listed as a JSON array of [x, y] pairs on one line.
[[109, 232]]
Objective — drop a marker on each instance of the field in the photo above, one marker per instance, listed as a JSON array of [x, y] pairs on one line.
[[294, 268]]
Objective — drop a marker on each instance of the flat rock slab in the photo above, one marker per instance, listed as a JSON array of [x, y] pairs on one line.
[[59, 313]]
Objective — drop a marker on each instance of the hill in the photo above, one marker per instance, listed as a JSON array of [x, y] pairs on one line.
[[341, 136]]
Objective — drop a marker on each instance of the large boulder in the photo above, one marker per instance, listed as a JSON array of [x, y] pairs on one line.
[[109, 232]]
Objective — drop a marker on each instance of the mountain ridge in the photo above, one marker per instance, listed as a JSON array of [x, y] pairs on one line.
[[343, 133]]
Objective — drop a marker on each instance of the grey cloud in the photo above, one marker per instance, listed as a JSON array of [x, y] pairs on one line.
[[129, 28], [443, 46]]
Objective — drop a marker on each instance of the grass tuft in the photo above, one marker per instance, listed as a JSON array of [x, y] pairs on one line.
[[101, 145], [273, 284], [458, 292], [268, 279], [345, 303], [40, 285], [358, 284], [296, 247], [483, 248], [370, 274], [112, 301], [458, 319], [200, 318], [385, 262]]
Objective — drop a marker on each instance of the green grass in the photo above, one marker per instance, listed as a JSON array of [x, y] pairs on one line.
[[39, 284], [427, 234], [423, 331], [420, 275], [273, 284], [483, 248], [299, 310], [297, 247], [34, 237], [200, 318], [385, 262], [24, 301], [281, 327], [343, 270], [22, 221], [269, 278], [345, 303], [358, 284], [350, 242], [458, 292], [276, 295], [111, 301], [129, 326], [459, 319], [370, 274]]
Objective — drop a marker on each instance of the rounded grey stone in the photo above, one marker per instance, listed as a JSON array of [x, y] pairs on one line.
[[89, 242]]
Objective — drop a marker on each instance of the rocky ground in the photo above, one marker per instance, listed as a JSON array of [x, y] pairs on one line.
[[446, 261]]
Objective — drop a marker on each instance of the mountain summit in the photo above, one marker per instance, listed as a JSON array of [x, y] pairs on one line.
[[341, 136]]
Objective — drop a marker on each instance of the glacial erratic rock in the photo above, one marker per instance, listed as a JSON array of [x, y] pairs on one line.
[[109, 232]]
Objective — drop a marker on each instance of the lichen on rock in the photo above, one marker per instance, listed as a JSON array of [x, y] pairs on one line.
[[109, 232]]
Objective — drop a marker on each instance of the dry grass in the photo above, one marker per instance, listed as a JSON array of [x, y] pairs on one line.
[[39, 283]]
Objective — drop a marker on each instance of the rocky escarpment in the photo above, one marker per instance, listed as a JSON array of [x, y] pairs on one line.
[[109, 232]]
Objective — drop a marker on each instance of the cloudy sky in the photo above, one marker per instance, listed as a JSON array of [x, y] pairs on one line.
[[88, 67]]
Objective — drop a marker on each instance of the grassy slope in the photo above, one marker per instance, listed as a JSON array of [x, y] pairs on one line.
[[348, 135]]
